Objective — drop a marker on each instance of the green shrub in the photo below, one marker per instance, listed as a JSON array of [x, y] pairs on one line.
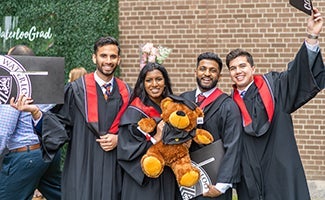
[[75, 26]]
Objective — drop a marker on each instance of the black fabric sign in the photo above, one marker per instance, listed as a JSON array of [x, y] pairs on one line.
[[208, 159], [303, 5], [41, 78]]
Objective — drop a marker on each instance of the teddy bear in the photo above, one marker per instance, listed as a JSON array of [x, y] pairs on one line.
[[180, 128]]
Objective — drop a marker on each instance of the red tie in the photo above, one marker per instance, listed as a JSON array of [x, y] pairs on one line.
[[107, 91], [200, 99]]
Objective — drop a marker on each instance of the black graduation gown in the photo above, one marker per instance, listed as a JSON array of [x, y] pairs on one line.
[[223, 121], [89, 172], [132, 145], [272, 169]]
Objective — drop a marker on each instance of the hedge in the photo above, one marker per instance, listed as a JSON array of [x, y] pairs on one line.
[[74, 27]]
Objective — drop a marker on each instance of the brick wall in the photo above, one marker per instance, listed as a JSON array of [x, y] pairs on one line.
[[271, 30]]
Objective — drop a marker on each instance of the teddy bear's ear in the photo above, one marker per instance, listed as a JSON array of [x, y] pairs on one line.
[[164, 103]]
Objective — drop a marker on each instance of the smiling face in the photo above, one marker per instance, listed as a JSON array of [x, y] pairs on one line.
[[241, 72], [207, 74], [154, 85], [106, 60]]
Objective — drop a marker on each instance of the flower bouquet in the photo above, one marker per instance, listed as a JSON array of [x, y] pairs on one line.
[[149, 53]]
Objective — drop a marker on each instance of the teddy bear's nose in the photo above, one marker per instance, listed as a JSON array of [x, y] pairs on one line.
[[180, 113]]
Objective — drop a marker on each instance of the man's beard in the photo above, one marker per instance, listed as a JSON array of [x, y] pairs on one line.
[[206, 87], [105, 73]]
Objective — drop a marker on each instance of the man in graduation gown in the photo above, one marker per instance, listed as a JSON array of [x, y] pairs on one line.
[[89, 123], [271, 165], [222, 119]]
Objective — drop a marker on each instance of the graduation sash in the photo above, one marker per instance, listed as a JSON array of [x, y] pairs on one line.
[[91, 102], [267, 99], [213, 96], [147, 110]]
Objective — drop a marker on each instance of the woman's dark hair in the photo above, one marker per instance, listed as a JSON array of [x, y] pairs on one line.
[[106, 41], [139, 90]]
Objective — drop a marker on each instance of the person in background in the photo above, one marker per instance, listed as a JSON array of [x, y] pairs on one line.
[[23, 168], [153, 85], [222, 119], [88, 120], [271, 165], [21, 50], [76, 73]]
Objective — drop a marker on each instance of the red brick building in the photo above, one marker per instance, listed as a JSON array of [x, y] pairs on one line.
[[271, 30]]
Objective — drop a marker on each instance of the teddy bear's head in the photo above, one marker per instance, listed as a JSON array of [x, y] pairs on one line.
[[180, 112]]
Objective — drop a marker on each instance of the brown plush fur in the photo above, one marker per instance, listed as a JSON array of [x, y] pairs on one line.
[[175, 156]]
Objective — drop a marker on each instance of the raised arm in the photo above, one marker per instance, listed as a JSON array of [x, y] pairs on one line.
[[314, 27]]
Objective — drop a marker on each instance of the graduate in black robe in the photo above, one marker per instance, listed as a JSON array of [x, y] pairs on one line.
[[152, 86], [89, 123], [222, 119], [271, 165]]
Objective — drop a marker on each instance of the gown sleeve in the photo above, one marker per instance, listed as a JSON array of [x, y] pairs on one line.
[[132, 145], [231, 137], [301, 82], [55, 126]]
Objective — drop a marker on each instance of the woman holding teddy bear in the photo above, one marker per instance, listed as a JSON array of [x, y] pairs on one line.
[[153, 85]]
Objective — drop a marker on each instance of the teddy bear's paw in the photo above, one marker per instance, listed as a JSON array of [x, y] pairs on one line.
[[147, 125], [152, 167], [190, 178], [203, 139]]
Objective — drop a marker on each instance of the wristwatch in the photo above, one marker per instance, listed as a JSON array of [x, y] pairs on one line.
[[312, 36]]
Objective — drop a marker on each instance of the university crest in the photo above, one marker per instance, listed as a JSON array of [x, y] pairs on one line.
[[13, 81]]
